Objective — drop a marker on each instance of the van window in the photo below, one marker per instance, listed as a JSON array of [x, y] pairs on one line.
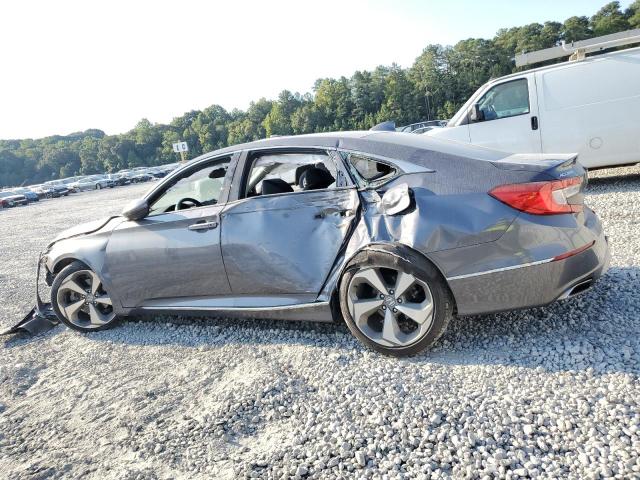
[[505, 100]]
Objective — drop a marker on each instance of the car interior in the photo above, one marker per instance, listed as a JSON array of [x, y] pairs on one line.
[[290, 172], [371, 171], [197, 189]]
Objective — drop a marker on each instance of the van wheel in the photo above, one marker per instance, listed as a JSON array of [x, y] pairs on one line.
[[80, 300], [394, 305]]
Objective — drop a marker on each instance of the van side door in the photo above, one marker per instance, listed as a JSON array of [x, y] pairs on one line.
[[592, 107], [506, 117]]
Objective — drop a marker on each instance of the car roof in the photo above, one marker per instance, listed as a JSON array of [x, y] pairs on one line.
[[399, 145]]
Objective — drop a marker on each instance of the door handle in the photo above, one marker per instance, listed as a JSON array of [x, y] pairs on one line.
[[342, 212], [534, 123], [203, 226]]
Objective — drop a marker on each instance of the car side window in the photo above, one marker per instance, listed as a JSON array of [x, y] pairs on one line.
[[507, 99], [275, 173], [196, 188], [371, 172]]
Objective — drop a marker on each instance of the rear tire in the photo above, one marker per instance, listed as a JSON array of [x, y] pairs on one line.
[[401, 301]]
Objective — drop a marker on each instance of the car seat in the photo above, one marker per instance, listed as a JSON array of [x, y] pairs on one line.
[[315, 178]]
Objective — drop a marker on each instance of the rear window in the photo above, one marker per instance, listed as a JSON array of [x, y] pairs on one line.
[[371, 171]]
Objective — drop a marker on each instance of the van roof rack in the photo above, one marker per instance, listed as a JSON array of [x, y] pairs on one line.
[[578, 50]]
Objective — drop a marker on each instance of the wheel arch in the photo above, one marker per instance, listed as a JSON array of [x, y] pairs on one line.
[[64, 262], [393, 248]]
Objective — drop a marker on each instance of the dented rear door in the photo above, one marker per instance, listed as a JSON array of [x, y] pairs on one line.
[[285, 243]]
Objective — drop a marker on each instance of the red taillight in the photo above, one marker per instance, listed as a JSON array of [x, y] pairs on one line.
[[541, 198]]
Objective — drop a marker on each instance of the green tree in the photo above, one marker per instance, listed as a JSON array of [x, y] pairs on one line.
[[576, 28], [401, 102], [278, 120], [609, 19], [633, 14]]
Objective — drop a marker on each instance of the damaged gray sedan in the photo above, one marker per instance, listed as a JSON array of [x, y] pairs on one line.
[[394, 233]]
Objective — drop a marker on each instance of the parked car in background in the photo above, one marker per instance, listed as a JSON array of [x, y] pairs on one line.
[[28, 193], [420, 125], [59, 187], [103, 181], [141, 176], [421, 130], [93, 182], [45, 191], [586, 106], [10, 199], [118, 179], [157, 172], [84, 184]]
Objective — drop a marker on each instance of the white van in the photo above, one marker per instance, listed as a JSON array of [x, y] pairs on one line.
[[590, 107]]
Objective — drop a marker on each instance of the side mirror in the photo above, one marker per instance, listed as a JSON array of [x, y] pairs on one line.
[[136, 210], [218, 173], [476, 114], [396, 200]]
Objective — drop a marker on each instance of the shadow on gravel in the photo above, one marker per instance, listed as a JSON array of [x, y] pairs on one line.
[[617, 183], [598, 331]]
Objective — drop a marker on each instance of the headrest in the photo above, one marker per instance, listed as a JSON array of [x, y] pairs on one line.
[[300, 170], [315, 178], [274, 185]]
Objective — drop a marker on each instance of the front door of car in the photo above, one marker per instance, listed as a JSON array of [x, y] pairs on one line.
[[508, 119], [282, 235], [174, 252]]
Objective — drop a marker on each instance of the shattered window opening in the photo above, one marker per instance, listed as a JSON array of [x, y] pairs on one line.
[[371, 172], [290, 172]]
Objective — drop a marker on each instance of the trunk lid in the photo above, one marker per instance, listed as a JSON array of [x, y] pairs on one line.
[[558, 166]]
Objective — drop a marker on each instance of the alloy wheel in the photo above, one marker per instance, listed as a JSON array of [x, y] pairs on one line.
[[391, 307], [83, 300]]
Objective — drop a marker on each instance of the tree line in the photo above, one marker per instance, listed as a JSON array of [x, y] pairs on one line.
[[435, 86]]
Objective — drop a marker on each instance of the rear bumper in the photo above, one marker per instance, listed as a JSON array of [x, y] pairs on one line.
[[531, 285]]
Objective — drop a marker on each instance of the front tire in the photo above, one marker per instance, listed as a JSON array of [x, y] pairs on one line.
[[80, 300], [394, 301]]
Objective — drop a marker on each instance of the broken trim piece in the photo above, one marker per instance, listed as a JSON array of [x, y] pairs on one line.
[[41, 318]]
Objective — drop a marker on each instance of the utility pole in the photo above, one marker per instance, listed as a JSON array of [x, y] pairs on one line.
[[427, 93]]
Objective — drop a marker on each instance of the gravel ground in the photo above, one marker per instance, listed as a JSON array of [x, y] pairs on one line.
[[548, 392]]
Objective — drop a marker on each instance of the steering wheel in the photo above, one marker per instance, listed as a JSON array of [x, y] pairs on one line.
[[187, 202]]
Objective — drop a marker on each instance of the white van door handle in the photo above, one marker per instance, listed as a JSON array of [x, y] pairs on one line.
[[534, 123]]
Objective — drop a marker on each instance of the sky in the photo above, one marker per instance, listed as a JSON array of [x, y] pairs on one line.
[[73, 65]]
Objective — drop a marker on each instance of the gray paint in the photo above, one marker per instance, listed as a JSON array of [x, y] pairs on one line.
[[285, 244], [159, 257], [284, 254]]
